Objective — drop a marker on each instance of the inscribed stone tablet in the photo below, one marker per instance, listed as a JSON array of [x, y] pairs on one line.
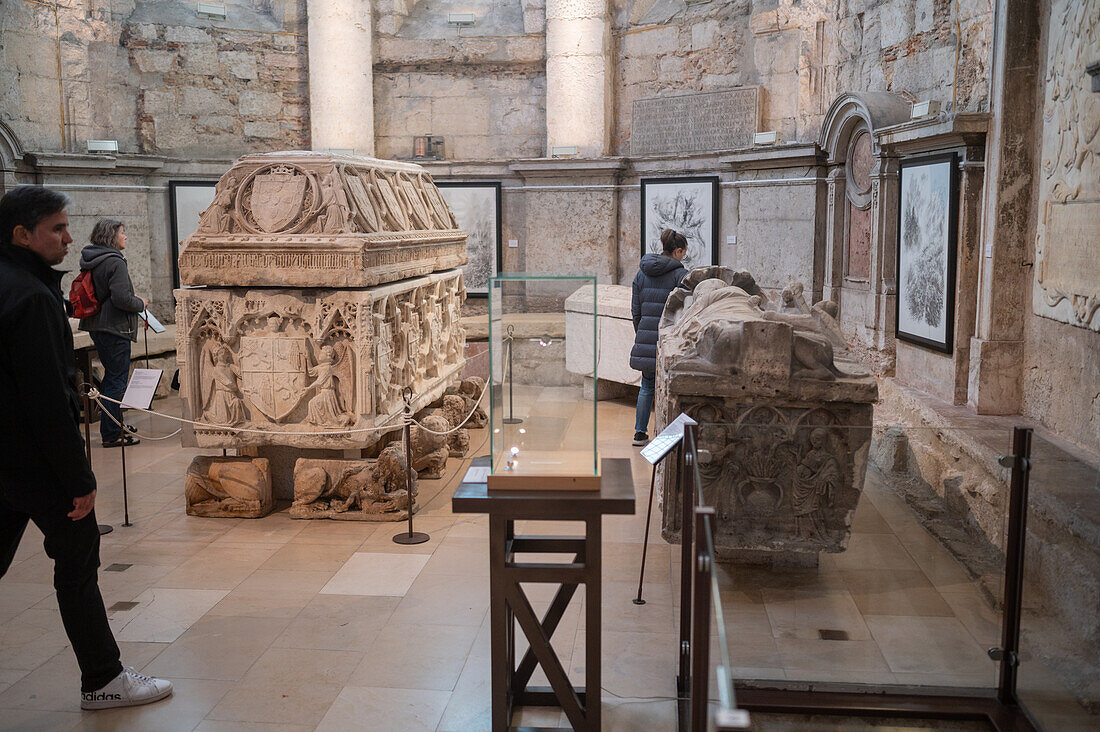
[[719, 120]]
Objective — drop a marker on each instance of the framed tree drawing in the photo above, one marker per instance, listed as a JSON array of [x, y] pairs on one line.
[[186, 200], [927, 230], [686, 205], [476, 207]]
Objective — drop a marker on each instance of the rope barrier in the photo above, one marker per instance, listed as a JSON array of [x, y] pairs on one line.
[[94, 394], [477, 404], [131, 430]]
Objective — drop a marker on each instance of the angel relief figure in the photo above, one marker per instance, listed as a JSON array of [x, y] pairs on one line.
[[219, 214], [224, 403], [333, 382]]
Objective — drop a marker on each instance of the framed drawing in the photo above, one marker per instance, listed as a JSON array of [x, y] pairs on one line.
[[476, 207], [687, 205], [927, 229], [186, 200]]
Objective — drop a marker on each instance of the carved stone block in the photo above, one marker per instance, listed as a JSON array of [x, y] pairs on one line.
[[236, 487], [295, 364], [784, 416], [354, 490], [304, 219]]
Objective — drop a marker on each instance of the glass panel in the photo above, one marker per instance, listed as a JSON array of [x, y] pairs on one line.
[[1059, 636], [855, 555], [542, 343]]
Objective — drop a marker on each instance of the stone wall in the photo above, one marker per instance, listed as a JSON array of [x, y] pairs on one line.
[[804, 54], [1064, 319], [155, 77]]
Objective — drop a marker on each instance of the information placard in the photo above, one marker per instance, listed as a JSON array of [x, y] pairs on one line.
[[670, 436], [151, 321], [142, 387]]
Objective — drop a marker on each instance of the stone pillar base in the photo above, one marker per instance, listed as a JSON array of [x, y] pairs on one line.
[[994, 383]]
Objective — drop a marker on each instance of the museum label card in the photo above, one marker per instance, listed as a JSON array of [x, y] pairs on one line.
[[142, 387], [670, 436], [151, 321]]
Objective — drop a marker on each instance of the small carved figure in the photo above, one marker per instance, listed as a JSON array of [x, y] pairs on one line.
[[471, 389], [224, 403], [453, 409], [335, 218], [326, 407], [817, 479], [429, 450], [234, 486], [365, 490]]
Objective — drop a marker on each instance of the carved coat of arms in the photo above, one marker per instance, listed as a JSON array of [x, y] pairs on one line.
[[277, 199], [274, 373]]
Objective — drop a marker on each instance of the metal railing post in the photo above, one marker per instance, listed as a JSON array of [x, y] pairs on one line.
[[702, 566], [1008, 654]]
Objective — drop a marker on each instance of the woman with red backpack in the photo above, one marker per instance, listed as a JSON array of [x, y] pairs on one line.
[[114, 326]]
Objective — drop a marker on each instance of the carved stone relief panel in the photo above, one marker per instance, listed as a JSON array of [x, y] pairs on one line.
[[293, 364], [302, 219], [1067, 269]]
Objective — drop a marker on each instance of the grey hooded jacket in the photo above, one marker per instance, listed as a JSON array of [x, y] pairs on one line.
[[118, 306]]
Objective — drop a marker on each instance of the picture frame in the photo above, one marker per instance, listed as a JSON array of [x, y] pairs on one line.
[[927, 240], [687, 204], [477, 208], [187, 199]]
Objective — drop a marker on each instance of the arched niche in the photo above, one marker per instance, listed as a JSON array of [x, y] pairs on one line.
[[11, 155], [861, 213]]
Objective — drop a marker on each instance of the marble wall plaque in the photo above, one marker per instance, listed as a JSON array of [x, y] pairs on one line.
[[719, 120]]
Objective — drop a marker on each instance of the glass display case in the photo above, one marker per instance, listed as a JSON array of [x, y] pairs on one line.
[[542, 375]]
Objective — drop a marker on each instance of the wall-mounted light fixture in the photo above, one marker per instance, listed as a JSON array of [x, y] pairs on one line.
[[925, 108], [563, 151], [461, 20], [212, 11], [770, 137], [341, 151], [102, 146]]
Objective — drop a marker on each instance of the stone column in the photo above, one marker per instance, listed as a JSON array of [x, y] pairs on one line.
[[884, 242], [578, 76], [834, 235], [341, 77], [996, 353]]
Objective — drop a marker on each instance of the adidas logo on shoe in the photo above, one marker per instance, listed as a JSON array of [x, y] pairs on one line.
[[128, 689]]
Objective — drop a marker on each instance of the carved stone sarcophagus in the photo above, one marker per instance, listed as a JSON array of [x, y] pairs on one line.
[[784, 416], [330, 288], [301, 219], [295, 364]]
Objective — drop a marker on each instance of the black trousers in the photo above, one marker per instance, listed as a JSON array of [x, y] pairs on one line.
[[74, 548]]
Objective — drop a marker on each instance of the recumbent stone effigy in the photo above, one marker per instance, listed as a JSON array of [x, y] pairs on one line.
[[330, 288], [785, 416]]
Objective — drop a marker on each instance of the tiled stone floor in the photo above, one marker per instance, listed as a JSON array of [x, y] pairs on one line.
[[277, 624]]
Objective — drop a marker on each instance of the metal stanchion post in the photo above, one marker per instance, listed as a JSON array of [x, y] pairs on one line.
[[104, 529], [146, 329], [511, 418], [412, 537], [645, 542], [122, 447]]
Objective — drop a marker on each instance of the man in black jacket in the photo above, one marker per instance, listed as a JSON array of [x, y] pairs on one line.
[[44, 474], [658, 275]]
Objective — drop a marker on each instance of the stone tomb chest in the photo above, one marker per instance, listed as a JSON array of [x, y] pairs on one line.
[[614, 337], [301, 219], [784, 417], [330, 288]]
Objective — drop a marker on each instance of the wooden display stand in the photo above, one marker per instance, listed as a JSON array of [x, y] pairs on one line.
[[509, 603]]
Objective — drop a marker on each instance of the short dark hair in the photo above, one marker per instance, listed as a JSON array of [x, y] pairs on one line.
[[26, 206], [104, 231], [672, 240]]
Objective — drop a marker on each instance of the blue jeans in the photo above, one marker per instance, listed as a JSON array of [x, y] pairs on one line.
[[114, 354], [645, 403]]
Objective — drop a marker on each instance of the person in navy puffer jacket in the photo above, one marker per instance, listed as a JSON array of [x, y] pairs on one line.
[[658, 275]]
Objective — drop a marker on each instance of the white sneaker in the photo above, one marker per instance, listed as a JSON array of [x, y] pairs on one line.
[[128, 689]]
